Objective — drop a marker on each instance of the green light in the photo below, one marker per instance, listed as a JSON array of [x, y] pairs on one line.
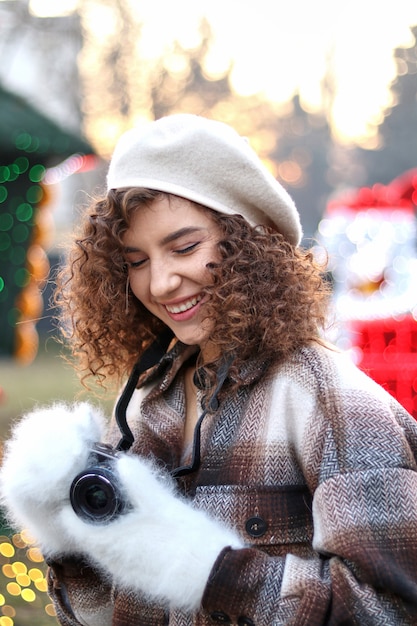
[[14, 172], [36, 173], [34, 145], [5, 242], [23, 141], [24, 212], [34, 194], [20, 233], [4, 173], [1, 284], [6, 221], [3, 193], [21, 277], [22, 163]]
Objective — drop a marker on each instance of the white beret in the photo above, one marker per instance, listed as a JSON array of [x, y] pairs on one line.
[[207, 162]]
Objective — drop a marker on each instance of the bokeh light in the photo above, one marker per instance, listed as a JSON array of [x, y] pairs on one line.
[[25, 229], [22, 582], [368, 238]]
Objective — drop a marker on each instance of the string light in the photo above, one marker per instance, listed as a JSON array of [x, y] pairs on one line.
[[72, 165], [21, 195], [22, 582], [25, 231]]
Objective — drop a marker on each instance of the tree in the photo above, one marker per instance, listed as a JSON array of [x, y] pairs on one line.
[[397, 151], [120, 88], [115, 79], [302, 152], [181, 81]]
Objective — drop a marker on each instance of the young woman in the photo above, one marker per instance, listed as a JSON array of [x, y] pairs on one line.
[[261, 478]]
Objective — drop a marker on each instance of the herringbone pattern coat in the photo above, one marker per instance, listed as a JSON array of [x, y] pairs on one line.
[[315, 465]]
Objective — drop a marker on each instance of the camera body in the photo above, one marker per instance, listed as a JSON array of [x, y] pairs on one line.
[[95, 494]]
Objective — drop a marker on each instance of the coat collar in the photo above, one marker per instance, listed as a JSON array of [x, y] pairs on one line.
[[180, 353]]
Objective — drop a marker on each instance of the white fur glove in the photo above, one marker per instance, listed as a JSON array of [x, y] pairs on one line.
[[47, 449], [161, 546]]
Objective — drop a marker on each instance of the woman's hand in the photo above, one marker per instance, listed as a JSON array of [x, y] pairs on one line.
[[47, 449], [160, 546]]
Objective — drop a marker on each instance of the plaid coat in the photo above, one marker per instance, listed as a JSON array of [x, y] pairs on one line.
[[315, 465]]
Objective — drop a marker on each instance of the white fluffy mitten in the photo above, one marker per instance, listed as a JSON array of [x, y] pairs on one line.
[[161, 546], [48, 447]]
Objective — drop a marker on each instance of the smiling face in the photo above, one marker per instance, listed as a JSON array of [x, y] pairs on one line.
[[167, 249]]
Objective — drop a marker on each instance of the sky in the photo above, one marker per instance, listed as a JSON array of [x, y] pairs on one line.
[[279, 48]]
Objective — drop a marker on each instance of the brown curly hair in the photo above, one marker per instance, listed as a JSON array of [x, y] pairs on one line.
[[267, 297]]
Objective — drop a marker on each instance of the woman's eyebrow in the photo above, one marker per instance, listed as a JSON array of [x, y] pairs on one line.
[[182, 232], [177, 234]]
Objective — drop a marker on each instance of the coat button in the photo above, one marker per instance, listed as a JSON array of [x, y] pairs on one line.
[[256, 527], [220, 617], [245, 621]]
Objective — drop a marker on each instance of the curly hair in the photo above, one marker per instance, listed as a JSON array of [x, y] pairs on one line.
[[267, 297]]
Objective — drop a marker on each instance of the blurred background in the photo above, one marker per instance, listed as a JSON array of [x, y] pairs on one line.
[[326, 93]]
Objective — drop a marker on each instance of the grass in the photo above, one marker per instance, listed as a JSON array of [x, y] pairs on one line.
[[47, 379]]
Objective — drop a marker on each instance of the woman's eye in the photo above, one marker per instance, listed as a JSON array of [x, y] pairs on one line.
[[134, 264], [189, 248]]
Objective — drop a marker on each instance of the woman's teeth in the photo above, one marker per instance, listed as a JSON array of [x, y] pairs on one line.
[[184, 306]]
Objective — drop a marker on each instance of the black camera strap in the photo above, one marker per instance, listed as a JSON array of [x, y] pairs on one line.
[[149, 358], [212, 406]]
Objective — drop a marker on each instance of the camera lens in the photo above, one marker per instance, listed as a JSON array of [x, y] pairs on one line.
[[94, 495], [96, 498]]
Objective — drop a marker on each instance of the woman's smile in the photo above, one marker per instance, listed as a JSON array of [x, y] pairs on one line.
[[184, 307]]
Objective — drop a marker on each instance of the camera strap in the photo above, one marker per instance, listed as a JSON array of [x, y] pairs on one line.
[[149, 358], [212, 406]]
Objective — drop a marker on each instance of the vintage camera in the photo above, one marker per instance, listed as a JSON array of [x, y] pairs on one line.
[[95, 494]]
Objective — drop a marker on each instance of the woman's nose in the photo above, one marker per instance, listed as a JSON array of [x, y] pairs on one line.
[[163, 280]]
